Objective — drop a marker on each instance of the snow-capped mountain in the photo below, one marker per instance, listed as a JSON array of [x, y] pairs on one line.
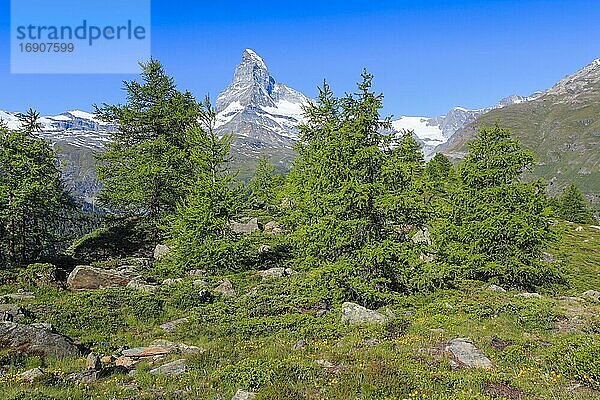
[[76, 128], [433, 132], [261, 112], [77, 135]]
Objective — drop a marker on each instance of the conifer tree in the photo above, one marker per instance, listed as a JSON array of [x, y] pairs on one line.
[[352, 187], [496, 226], [32, 194], [200, 228], [573, 207], [146, 169], [264, 184]]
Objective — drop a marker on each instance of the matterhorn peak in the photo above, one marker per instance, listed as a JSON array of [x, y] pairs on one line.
[[256, 106], [250, 55]]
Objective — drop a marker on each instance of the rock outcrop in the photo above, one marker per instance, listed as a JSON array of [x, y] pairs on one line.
[[85, 277], [353, 313], [32, 340]]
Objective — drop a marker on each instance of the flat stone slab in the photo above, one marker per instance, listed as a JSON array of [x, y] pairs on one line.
[[467, 354], [174, 368], [139, 352]]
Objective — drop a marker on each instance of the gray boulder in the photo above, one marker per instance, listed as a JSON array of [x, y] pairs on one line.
[[273, 228], [247, 225], [141, 285], [529, 295], [467, 355], [12, 312], [84, 277], [592, 294], [160, 251], [243, 395], [174, 368], [277, 272], [31, 375], [172, 325], [225, 288], [31, 340], [353, 313]]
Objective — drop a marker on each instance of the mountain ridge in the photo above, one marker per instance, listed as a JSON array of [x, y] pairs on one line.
[[561, 126]]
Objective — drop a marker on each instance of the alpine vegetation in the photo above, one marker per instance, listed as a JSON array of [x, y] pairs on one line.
[[362, 271]]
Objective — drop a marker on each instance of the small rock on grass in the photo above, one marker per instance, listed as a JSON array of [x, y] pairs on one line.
[[529, 295], [592, 294], [31, 375], [467, 354], [277, 272], [172, 325], [174, 368], [243, 395], [225, 288], [353, 313], [160, 251], [495, 288], [92, 362], [299, 344]]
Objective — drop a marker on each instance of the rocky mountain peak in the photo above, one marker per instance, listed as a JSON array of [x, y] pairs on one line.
[[251, 84], [574, 87], [258, 108]]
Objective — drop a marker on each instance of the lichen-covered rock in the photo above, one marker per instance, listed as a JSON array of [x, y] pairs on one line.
[[174, 368], [277, 272], [84, 277], [161, 251], [466, 354], [592, 294], [353, 313], [31, 375], [31, 340], [225, 288], [243, 395], [247, 225]]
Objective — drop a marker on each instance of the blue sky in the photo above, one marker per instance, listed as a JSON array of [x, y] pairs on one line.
[[427, 56]]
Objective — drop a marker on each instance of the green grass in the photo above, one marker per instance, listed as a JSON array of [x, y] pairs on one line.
[[248, 340]]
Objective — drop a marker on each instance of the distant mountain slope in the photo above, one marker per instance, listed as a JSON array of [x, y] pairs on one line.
[[77, 135], [562, 126], [436, 131]]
